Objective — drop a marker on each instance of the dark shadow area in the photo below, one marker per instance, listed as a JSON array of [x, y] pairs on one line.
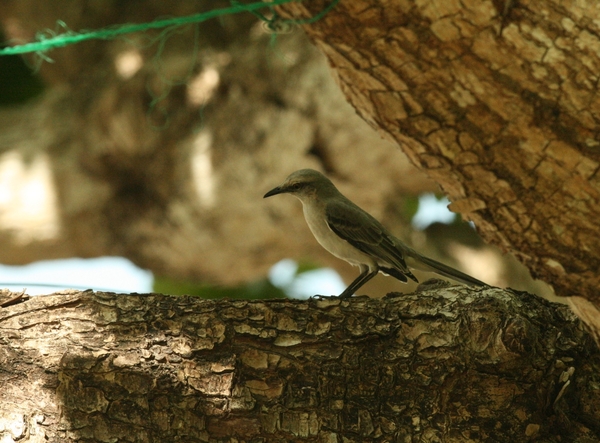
[[18, 81]]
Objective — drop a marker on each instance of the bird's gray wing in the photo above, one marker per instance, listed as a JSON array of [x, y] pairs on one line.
[[366, 234]]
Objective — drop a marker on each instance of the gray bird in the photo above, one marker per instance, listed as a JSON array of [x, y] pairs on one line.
[[351, 234]]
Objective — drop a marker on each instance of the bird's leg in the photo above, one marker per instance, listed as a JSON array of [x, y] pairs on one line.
[[364, 277]]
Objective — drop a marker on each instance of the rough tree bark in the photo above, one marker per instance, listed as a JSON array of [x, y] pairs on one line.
[[497, 101], [451, 365]]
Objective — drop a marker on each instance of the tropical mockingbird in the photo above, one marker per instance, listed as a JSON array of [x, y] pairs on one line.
[[351, 234]]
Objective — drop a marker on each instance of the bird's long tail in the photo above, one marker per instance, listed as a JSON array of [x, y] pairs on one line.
[[427, 264]]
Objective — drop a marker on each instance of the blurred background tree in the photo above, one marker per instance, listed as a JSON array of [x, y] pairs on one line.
[[158, 147]]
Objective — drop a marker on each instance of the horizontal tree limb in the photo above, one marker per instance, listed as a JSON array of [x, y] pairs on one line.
[[450, 364]]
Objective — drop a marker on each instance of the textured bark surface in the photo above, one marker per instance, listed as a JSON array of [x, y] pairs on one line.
[[504, 119], [450, 365]]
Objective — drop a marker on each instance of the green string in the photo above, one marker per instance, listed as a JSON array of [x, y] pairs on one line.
[[69, 37], [277, 25]]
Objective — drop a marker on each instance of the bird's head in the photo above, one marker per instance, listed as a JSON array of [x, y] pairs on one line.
[[304, 184]]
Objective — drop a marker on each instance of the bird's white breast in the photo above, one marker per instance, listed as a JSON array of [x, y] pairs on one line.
[[316, 220]]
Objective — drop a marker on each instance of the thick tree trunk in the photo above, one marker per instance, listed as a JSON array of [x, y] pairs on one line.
[[448, 365], [497, 101]]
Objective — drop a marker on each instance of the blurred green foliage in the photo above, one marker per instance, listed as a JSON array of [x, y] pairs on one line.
[[261, 289], [411, 206]]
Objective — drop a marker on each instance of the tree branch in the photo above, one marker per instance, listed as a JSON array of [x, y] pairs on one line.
[[450, 365]]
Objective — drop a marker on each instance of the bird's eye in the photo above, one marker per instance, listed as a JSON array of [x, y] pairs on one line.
[[296, 186]]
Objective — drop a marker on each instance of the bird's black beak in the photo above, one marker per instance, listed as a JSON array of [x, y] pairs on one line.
[[275, 191]]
